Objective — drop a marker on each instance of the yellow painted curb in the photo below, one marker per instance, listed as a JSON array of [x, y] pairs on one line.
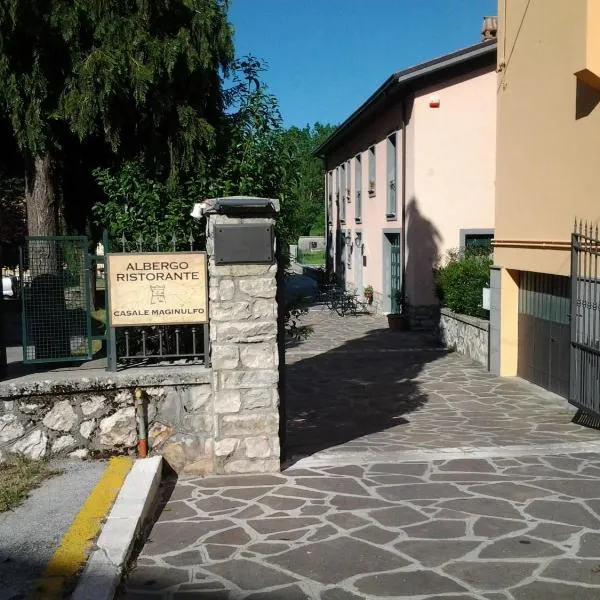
[[72, 552]]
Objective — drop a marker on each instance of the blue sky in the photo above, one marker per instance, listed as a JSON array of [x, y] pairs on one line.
[[326, 57]]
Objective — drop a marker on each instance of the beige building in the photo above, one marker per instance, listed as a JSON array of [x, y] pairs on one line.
[[547, 175], [410, 176]]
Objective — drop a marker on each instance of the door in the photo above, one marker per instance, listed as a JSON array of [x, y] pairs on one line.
[[358, 264], [544, 331], [392, 270], [395, 277]]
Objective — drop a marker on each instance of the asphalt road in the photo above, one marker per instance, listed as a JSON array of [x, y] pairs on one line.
[[30, 534]]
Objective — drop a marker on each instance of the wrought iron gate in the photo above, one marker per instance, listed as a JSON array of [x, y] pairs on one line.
[[585, 319]]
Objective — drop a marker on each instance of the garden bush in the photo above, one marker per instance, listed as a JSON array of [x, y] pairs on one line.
[[460, 281]]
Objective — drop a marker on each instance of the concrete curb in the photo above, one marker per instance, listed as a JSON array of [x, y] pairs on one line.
[[131, 509], [332, 458]]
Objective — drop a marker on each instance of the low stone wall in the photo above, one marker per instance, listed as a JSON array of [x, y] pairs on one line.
[[467, 335], [218, 419], [60, 416]]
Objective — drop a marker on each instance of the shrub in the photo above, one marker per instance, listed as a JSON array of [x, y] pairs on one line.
[[460, 281], [293, 310]]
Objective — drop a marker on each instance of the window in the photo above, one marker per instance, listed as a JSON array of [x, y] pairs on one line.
[[348, 180], [372, 171], [357, 188], [479, 240], [330, 196], [391, 177], [470, 239], [341, 193]]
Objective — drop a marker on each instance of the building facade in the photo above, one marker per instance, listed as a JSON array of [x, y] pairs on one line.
[[548, 163], [410, 175]]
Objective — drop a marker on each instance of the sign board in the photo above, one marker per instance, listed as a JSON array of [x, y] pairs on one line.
[[244, 244], [485, 299], [154, 288]]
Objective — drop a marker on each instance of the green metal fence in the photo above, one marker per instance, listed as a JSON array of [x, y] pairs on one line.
[[63, 295], [56, 299]]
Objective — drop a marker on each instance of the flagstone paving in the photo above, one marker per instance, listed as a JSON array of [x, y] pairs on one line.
[[495, 508], [356, 387], [364, 532]]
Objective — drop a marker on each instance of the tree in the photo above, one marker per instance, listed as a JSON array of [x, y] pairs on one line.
[[12, 201], [254, 155], [307, 184], [127, 76], [143, 209]]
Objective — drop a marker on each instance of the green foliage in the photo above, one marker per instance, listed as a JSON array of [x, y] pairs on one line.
[[134, 73], [12, 209], [306, 184], [460, 281], [97, 83], [18, 476], [257, 157], [293, 312], [138, 205]]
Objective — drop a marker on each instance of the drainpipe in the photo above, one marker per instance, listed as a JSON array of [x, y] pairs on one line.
[[140, 418], [404, 120]]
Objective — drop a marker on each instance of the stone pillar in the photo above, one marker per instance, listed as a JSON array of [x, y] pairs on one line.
[[244, 354]]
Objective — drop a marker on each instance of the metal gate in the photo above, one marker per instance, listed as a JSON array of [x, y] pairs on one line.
[[56, 299], [544, 331], [585, 319]]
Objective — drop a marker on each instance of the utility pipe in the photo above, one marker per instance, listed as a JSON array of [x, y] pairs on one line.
[[140, 418]]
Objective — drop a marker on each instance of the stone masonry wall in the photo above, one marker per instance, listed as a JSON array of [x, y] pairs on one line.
[[62, 416], [243, 317], [222, 419], [466, 335]]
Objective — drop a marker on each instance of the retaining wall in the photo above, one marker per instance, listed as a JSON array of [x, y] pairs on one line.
[[72, 415], [467, 335]]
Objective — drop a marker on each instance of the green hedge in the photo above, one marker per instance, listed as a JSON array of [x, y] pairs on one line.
[[460, 281]]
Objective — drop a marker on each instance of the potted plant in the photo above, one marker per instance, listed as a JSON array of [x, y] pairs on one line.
[[398, 321], [368, 294]]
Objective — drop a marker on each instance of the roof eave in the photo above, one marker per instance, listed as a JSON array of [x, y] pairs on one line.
[[410, 75]]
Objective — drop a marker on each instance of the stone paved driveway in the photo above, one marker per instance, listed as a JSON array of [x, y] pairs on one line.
[[494, 529], [356, 388], [417, 475]]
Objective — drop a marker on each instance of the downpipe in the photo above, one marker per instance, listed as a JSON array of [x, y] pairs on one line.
[[140, 419]]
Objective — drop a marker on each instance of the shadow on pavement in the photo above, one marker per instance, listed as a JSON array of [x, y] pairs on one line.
[[363, 386]]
